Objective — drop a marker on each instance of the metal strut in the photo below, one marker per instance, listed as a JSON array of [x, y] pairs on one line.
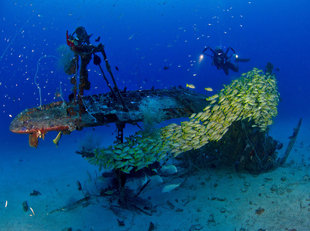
[[107, 82], [113, 79]]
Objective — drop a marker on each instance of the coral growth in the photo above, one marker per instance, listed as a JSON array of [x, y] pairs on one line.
[[152, 110], [242, 147], [66, 60]]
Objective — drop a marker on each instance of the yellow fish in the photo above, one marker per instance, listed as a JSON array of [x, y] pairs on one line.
[[208, 89], [192, 86], [56, 140]]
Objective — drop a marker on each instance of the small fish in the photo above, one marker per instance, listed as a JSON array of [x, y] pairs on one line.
[[192, 86], [32, 211], [56, 140], [79, 185], [156, 179], [170, 187], [109, 192], [97, 39], [116, 68], [131, 36], [169, 169], [208, 89], [166, 68]]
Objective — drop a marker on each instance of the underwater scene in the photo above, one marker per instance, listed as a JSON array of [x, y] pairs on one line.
[[162, 115]]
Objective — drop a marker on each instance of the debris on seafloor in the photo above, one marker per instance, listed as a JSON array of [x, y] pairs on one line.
[[170, 204], [84, 202], [196, 227], [259, 211], [67, 229], [211, 219], [25, 206], [218, 198], [289, 148], [35, 193]]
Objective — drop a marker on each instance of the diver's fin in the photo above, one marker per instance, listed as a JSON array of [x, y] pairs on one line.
[[242, 60]]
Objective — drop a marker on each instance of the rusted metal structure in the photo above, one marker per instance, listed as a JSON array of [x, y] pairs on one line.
[[97, 110]]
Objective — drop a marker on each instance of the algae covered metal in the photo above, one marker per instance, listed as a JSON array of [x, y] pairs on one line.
[[97, 110]]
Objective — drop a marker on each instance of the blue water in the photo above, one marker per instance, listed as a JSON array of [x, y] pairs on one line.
[[143, 36]]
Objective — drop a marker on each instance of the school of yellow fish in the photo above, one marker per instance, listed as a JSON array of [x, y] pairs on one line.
[[253, 97]]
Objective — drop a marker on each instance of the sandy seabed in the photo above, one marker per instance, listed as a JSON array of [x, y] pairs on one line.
[[212, 199]]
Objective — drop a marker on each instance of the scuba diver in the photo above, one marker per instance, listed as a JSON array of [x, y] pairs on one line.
[[222, 60], [80, 44]]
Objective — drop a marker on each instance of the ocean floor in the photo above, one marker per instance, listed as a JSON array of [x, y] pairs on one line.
[[211, 199]]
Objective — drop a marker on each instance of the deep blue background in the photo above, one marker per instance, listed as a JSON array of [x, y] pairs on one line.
[[143, 36]]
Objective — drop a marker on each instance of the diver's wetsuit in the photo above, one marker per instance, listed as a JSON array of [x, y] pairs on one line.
[[82, 47], [221, 59]]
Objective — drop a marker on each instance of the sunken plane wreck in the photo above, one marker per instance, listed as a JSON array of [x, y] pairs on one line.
[[102, 109]]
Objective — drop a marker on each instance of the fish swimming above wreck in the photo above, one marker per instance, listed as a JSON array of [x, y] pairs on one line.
[[98, 110]]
